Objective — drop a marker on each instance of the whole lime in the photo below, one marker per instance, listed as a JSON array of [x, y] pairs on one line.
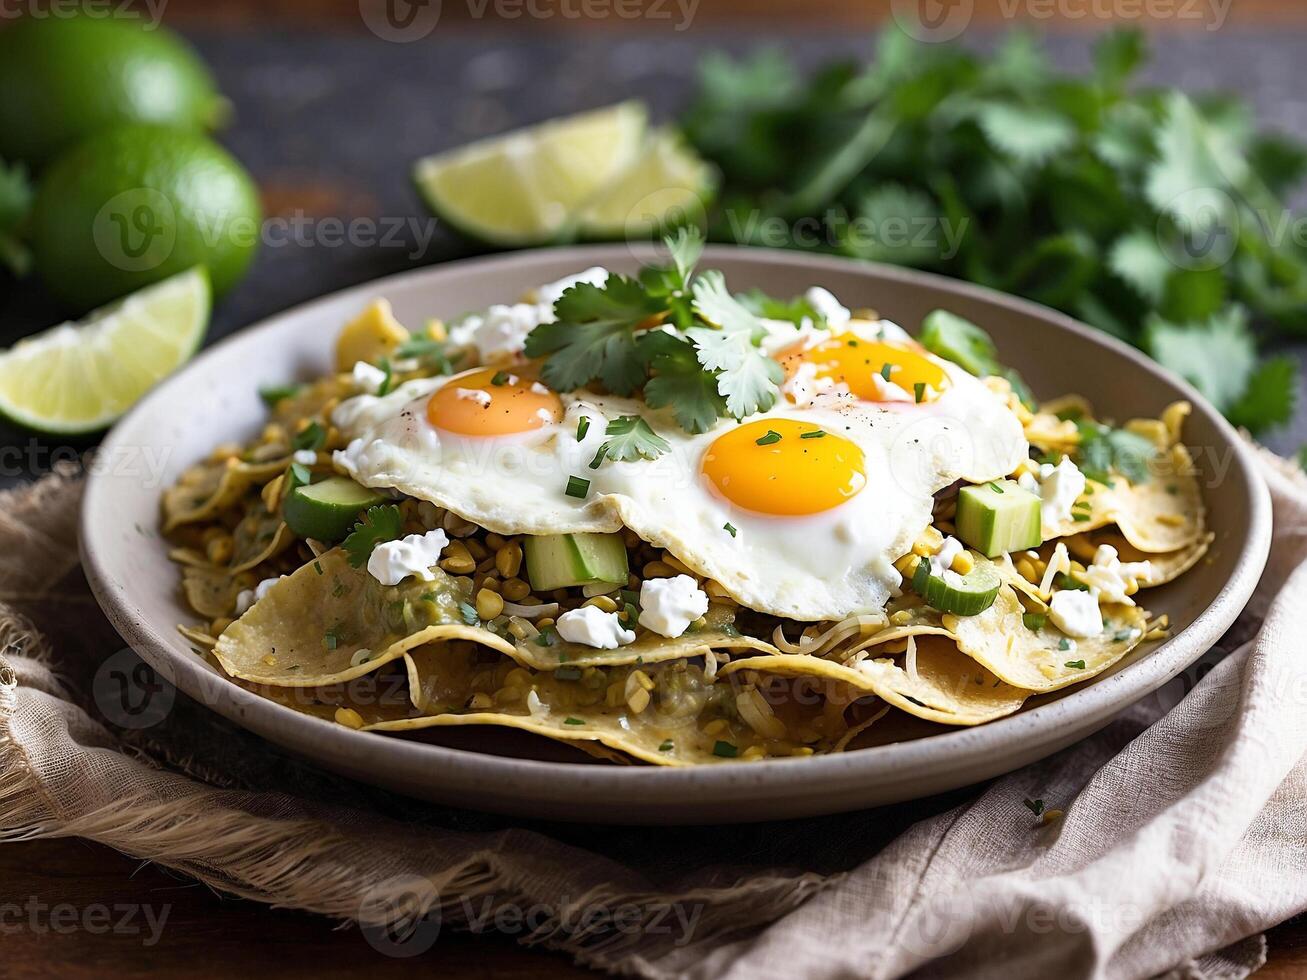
[[134, 204], [63, 78]]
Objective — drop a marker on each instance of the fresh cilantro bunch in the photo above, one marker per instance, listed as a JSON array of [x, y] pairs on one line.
[[679, 336], [1152, 215], [15, 202]]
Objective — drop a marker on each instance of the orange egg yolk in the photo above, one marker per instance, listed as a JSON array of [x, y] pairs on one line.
[[493, 402], [861, 364], [784, 468]]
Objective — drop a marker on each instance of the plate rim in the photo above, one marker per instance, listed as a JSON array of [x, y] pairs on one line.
[[963, 748]]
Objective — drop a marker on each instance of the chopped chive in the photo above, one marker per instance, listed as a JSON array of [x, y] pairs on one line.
[[573, 721], [271, 394], [666, 746], [1074, 665], [317, 567], [919, 390], [725, 749], [1081, 518], [599, 457], [995, 487], [1034, 621], [567, 673], [729, 528], [1064, 644], [771, 437], [388, 380], [1065, 581], [469, 614], [582, 427], [1034, 806], [330, 640], [310, 437], [885, 370], [500, 379], [546, 638], [853, 343], [814, 434], [1121, 635], [577, 487]]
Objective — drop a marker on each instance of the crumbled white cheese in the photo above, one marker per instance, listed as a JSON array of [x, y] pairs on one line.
[[827, 306], [942, 560], [393, 561], [1075, 612], [501, 330], [593, 627], [669, 605], [1059, 561], [535, 705], [1058, 488], [548, 294], [368, 377], [248, 597], [1109, 577], [478, 395], [305, 456], [806, 387]]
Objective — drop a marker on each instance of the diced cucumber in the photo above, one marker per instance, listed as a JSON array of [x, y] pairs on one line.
[[559, 561], [998, 517], [962, 595], [955, 339], [326, 511]]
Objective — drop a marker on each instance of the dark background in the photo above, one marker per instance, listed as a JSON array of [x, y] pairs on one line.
[[329, 115]]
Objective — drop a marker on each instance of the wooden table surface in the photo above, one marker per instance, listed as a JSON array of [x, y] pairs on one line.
[[77, 910]]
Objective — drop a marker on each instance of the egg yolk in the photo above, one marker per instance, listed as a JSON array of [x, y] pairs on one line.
[[493, 402], [784, 468], [863, 365]]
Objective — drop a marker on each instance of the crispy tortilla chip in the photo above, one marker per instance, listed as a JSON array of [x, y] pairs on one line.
[[211, 590], [208, 488], [260, 536], [683, 718], [941, 684], [310, 400], [198, 635], [1163, 566], [718, 634], [329, 622], [999, 640]]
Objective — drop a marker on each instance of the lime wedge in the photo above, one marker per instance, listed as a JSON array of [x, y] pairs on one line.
[[523, 188], [667, 185], [80, 377]]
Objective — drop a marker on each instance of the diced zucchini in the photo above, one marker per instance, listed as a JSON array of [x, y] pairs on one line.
[[327, 510], [998, 517], [559, 561], [962, 595]]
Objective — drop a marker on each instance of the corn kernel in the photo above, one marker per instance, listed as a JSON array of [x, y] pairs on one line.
[[349, 718], [658, 569], [603, 602], [963, 563], [458, 560], [508, 560], [638, 701], [489, 604], [515, 590], [480, 702]]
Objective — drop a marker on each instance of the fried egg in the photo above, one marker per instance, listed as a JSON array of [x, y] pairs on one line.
[[799, 511]]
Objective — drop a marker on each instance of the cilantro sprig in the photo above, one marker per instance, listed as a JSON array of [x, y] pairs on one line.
[[1141, 211], [380, 523], [678, 335], [630, 437]]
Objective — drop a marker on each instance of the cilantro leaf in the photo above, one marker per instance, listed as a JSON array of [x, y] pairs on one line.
[[311, 436], [1217, 357], [796, 310], [630, 437], [380, 523], [1104, 451], [680, 382], [1270, 397], [429, 352], [594, 336], [746, 378]]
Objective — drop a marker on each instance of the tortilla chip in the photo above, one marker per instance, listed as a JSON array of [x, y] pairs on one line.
[[208, 488], [211, 590], [999, 640], [718, 634], [943, 685], [1163, 566], [309, 401], [310, 627], [685, 718], [260, 536]]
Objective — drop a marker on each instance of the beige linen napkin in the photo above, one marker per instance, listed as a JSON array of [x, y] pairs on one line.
[[1184, 835]]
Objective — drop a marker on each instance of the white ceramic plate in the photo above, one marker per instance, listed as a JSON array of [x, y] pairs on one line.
[[215, 399]]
